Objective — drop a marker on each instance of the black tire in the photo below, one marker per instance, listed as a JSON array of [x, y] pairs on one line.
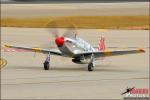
[[46, 65], [90, 67]]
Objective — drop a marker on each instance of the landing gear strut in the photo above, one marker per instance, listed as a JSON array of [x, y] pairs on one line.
[[47, 62], [91, 65]]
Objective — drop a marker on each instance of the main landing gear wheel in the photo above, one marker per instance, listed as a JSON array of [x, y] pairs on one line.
[[90, 67], [46, 65]]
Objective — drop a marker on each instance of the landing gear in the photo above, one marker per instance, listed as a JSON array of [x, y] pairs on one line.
[[47, 62], [46, 65], [91, 65]]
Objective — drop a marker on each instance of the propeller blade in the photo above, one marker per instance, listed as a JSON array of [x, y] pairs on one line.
[[52, 28], [54, 32], [71, 32]]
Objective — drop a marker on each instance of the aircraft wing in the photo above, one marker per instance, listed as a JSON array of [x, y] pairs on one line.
[[46, 51], [98, 54]]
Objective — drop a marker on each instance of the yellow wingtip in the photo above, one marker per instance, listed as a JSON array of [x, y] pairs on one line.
[[141, 50], [6, 45], [36, 49]]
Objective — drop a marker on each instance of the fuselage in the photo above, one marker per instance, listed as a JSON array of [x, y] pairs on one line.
[[73, 46]]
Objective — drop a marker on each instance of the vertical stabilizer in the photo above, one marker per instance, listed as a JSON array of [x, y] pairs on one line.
[[101, 44]]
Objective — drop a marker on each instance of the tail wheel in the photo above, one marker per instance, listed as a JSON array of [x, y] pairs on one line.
[[90, 67], [46, 65]]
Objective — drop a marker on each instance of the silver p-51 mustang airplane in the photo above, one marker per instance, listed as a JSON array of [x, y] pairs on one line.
[[79, 50]]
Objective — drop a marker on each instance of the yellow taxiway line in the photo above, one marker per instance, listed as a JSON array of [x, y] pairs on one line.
[[3, 63]]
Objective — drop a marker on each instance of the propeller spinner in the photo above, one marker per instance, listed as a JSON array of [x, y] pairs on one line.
[[59, 41]]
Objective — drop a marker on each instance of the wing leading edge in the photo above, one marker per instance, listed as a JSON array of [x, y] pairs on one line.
[[97, 54], [108, 53], [35, 49]]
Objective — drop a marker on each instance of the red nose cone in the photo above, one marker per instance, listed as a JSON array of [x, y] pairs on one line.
[[59, 41]]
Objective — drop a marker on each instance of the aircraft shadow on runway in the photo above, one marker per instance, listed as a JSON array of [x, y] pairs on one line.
[[100, 68]]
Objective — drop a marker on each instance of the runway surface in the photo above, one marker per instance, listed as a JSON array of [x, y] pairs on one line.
[[74, 9], [68, 1], [24, 78]]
